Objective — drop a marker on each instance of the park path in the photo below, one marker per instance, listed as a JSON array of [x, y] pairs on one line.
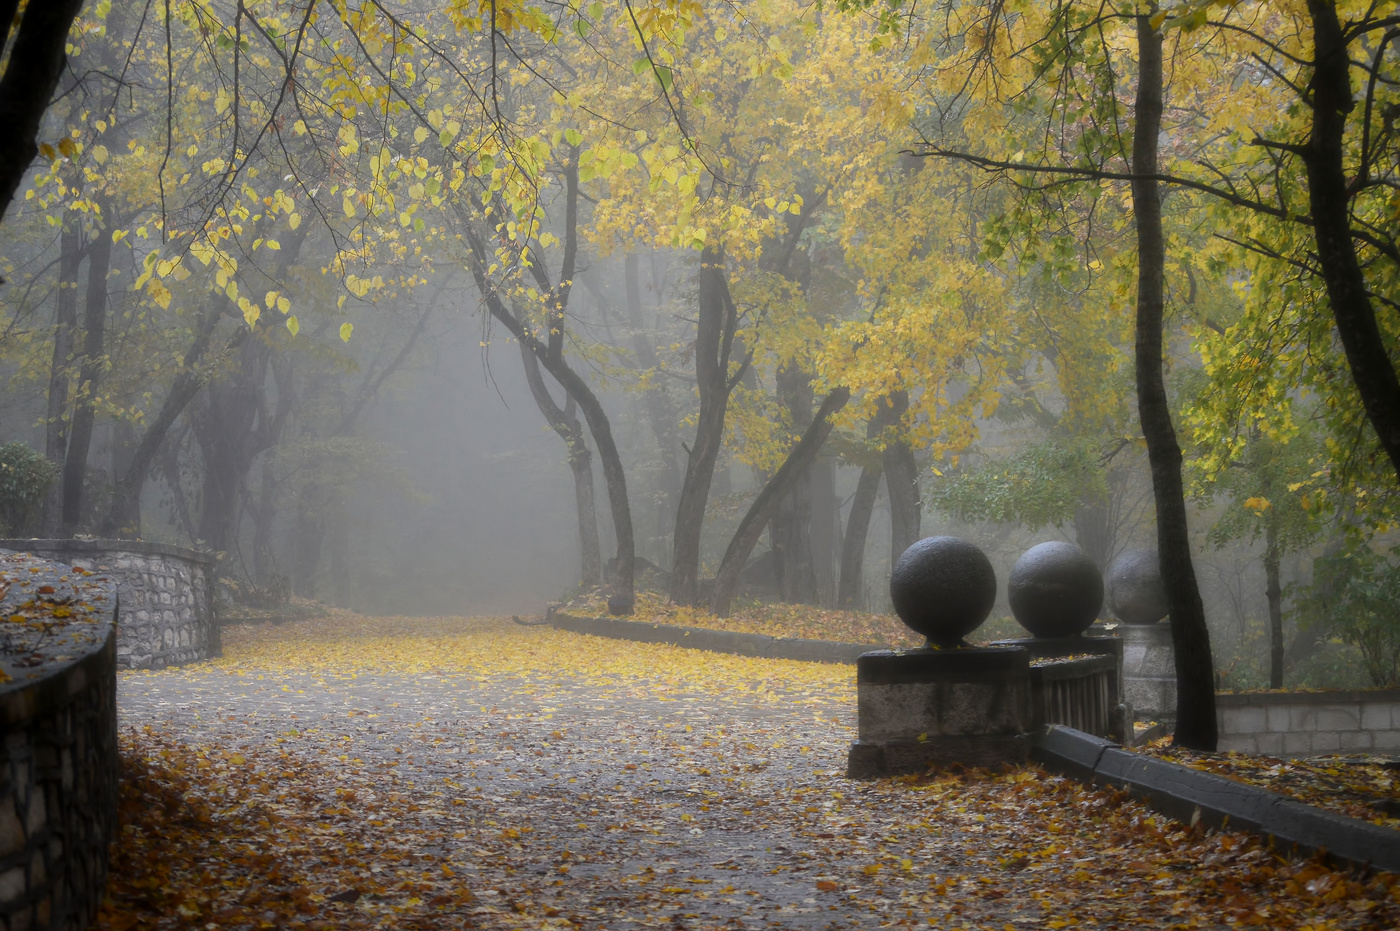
[[669, 788], [633, 809]]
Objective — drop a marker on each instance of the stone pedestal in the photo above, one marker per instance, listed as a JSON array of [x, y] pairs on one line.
[[918, 708], [1149, 671]]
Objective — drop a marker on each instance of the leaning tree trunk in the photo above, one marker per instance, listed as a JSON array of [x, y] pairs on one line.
[[85, 407], [564, 422], [1195, 693], [857, 531], [858, 524], [736, 555], [901, 478], [614, 477], [791, 527], [1330, 200], [124, 517], [36, 62]]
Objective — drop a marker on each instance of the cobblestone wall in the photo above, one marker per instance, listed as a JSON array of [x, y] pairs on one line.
[[167, 608], [58, 773], [1289, 724]]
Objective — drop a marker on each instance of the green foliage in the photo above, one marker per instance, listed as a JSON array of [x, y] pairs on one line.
[[1356, 597], [25, 477], [1038, 486]]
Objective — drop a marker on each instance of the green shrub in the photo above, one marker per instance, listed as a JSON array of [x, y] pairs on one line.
[[25, 478], [1356, 598]]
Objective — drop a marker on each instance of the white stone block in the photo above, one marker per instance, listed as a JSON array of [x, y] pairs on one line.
[[1302, 718], [1238, 743], [1278, 718], [1355, 740], [1297, 744], [1376, 716], [1338, 718], [1326, 741], [1385, 740], [1245, 720]]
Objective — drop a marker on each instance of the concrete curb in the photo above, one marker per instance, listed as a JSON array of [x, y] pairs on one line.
[[715, 641], [1193, 796]]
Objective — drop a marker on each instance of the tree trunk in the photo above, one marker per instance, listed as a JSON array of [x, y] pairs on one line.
[[791, 528], [1195, 703], [614, 477], [1273, 591], [65, 323], [124, 516], [1330, 201], [264, 514], [565, 423], [714, 339], [84, 410], [308, 532], [231, 426], [36, 62], [858, 521], [857, 530], [760, 513], [901, 478], [826, 528], [661, 409]]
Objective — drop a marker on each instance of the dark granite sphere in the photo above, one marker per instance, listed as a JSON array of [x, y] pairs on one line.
[[1055, 590], [1135, 590], [943, 588]]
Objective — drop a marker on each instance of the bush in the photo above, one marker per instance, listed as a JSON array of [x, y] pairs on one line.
[[1357, 599], [25, 478]]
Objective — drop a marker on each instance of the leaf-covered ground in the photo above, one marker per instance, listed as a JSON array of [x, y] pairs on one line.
[[358, 773], [775, 620], [1356, 786]]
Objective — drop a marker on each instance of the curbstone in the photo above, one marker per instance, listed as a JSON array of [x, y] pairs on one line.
[[1192, 796], [714, 641], [1068, 751]]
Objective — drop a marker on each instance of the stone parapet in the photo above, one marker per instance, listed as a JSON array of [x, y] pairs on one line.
[[167, 596], [58, 753], [1297, 724]]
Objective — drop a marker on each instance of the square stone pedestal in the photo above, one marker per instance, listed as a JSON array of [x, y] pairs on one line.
[[936, 707], [1149, 671]]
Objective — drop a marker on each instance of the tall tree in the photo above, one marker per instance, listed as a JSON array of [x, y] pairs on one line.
[[716, 377], [1195, 676]]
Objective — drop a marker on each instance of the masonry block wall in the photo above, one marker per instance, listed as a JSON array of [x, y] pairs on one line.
[[167, 596], [58, 785], [1292, 724]]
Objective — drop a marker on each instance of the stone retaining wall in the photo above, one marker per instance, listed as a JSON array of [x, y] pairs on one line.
[[1290, 724], [167, 596], [58, 759]]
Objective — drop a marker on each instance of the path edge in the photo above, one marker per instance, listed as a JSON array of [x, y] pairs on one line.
[[714, 641], [1193, 796]]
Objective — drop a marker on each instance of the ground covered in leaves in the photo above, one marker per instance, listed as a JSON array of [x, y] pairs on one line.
[[442, 773], [1365, 787], [775, 620]]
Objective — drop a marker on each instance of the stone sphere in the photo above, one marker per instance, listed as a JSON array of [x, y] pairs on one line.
[[1135, 591], [1055, 590], [943, 588]]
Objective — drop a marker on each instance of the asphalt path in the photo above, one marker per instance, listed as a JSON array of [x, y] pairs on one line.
[[632, 808]]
